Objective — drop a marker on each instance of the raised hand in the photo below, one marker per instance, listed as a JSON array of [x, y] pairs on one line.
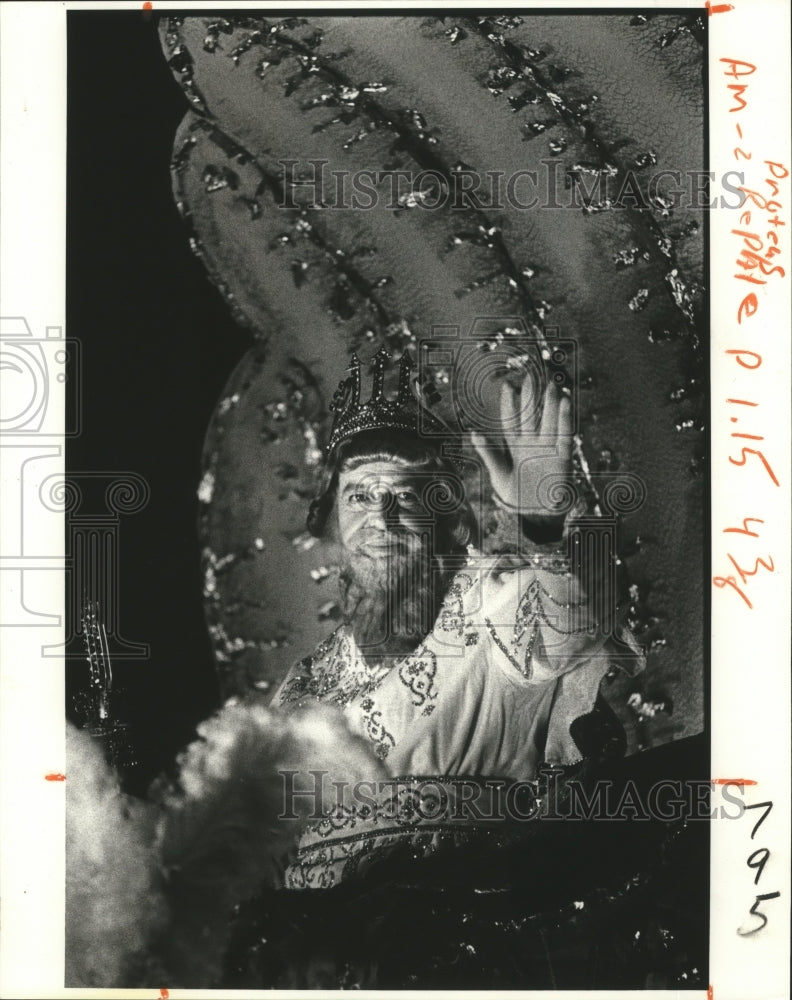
[[535, 446]]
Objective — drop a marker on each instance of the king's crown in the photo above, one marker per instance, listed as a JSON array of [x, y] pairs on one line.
[[405, 412]]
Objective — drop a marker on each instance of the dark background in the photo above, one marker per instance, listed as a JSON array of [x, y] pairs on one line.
[[157, 344]]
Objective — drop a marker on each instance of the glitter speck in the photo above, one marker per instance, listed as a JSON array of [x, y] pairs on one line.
[[328, 611], [226, 404], [206, 487], [304, 542]]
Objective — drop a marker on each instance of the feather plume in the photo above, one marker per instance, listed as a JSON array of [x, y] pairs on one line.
[[114, 894], [152, 888]]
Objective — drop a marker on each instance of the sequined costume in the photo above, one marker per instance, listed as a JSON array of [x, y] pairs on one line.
[[513, 659]]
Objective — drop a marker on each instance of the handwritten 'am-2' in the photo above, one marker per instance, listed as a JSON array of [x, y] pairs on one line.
[[757, 250], [756, 263]]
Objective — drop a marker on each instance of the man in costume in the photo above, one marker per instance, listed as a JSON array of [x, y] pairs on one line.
[[455, 665]]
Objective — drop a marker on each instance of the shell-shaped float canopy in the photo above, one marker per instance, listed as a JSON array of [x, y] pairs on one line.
[[494, 191]]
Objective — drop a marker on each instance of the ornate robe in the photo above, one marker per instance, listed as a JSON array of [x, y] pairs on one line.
[[515, 656]]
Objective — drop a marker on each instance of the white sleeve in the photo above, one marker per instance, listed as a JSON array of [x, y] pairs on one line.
[[541, 622]]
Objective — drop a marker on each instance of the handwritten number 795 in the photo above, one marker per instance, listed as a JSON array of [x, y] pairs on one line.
[[758, 859]]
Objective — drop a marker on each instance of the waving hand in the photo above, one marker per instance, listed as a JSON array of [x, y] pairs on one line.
[[536, 444]]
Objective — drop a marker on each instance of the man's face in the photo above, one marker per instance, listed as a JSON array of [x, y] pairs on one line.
[[380, 509], [391, 577]]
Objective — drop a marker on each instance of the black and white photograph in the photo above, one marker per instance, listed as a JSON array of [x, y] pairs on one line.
[[400, 547]]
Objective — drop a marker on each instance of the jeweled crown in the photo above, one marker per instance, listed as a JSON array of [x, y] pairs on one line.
[[405, 412]]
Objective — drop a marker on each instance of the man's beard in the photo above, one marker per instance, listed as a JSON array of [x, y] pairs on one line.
[[391, 599]]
